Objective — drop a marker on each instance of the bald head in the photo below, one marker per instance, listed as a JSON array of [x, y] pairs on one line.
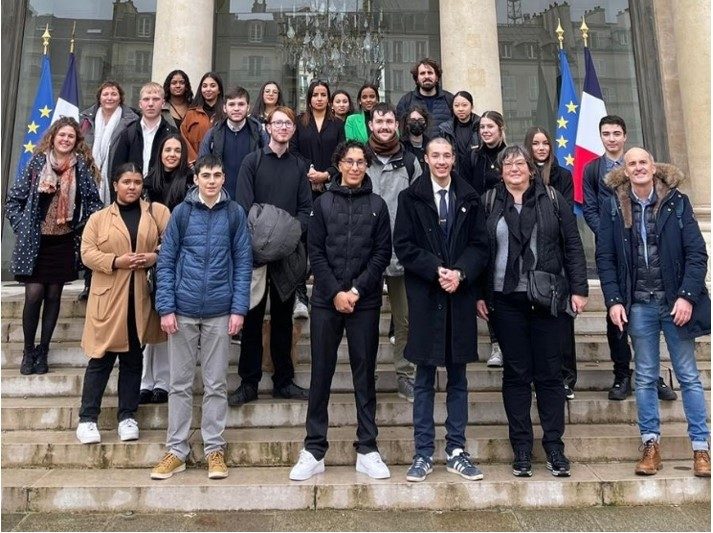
[[637, 152], [640, 169]]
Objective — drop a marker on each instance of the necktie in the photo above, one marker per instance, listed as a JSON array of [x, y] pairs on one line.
[[443, 211]]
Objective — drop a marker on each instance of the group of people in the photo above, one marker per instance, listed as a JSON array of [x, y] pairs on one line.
[[195, 213]]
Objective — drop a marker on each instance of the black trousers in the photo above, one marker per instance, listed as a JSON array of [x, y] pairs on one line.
[[530, 341], [619, 350], [250, 364], [569, 355], [326, 329], [98, 371]]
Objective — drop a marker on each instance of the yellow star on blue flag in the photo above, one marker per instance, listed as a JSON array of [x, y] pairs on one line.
[[32, 127], [40, 115], [561, 123], [571, 107], [568, 116]]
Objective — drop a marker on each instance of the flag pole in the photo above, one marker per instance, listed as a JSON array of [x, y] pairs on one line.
[[46, 38], [71, 41], [560, 33], [585, 32]]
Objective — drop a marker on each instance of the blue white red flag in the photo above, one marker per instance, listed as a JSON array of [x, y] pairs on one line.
[[68, 101]]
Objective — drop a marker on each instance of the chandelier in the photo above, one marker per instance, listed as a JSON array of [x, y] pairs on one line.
[[325, 41]]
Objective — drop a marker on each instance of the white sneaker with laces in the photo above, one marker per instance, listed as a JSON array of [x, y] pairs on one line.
[[372, 465], [128, 429], [300, 310], [88, 433], [496, 356], [306, 467]]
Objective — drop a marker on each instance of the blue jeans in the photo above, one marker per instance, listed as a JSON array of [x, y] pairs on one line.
[[646, 321], [456, 407]]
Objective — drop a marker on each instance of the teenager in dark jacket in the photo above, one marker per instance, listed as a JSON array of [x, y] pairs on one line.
[[412, 126], [530, 228], [428, 94], [439, 240], [349, 241], [652, 263], [538, 143], [462, 131]]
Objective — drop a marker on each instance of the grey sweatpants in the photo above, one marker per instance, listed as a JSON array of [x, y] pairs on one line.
[[183, 350]]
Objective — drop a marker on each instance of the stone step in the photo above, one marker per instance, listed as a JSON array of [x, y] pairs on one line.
[[590, 349], [340, 487], [281, 446], [67, 381], [47, 413]]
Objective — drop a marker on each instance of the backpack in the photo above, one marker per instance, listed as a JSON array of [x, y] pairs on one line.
[[490, 201], [614, 207]]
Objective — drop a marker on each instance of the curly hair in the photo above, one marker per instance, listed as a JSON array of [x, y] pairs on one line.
[[80, 147]]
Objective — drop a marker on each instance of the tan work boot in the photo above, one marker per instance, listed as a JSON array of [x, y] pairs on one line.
[[651, 459], [166, 467], [701, 463], [217, 468]]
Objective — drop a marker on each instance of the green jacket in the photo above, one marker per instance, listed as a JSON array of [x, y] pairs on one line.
[[355, 128]]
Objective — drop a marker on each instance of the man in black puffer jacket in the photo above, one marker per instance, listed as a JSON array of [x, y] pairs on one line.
[[349, 239]]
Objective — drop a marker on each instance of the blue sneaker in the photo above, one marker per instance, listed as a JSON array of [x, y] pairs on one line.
[[420, 468], [460, 463]]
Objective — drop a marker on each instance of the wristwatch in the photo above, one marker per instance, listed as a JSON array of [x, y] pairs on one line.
[[461, 275], [354, 290]]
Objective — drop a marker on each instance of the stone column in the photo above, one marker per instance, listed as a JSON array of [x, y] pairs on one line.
[[469, 51], [692, 39], [183, 39]]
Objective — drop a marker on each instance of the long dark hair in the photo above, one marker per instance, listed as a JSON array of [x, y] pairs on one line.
[[258, 108], [308, 116], [169, 187], [547, 166], [187, 95], [199, 101], [350, 110]]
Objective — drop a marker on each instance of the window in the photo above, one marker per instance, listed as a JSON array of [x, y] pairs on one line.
[[421, 49], [534, 88], [398, 56], [143, 26], [142, 61], [256, 31], [91, 68], [505, 50], [397, 80], [531, 50], [601, 66], [509, 89], [624, 39], [255, 66]]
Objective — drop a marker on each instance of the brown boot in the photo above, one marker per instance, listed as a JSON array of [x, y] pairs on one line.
[[650, 461], [701, 463]]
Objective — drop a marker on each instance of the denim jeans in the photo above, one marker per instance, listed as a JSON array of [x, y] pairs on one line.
[[646, 322]]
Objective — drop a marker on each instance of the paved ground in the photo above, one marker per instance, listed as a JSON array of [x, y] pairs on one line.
[[695, 517]]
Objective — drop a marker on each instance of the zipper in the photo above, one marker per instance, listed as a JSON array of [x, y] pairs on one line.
[[206, 258]]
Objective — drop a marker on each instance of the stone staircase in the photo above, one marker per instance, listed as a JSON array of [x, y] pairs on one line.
[[44, 467]]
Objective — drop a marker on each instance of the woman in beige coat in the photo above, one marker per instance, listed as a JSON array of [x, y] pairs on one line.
[[119, 244]]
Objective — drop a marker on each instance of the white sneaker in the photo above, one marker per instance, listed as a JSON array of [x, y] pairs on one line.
[[496, 356], [306, 467], [128, 429], [300, 310], [88, 433], [372, 465]]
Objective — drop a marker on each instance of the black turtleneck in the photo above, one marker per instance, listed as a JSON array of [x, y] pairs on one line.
[[209, 109], [484, 174], [131, 214]]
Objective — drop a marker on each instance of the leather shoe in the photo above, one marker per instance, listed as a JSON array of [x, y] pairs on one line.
[[246, 392], [701, 463], [41, 366], [27, 366], [145, 396], [621, 389], [159, 396], [291, 391], [650, 462], [666, 393], [84, 295]]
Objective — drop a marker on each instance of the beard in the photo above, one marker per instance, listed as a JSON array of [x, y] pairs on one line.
[[427, 85]]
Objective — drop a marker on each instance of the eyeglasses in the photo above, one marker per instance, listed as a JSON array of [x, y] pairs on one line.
[[351, 162], [282, 124], [518, 163]]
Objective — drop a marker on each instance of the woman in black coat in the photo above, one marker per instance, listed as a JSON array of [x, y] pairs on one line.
[[484, 173], [531, 229], [462, 131]]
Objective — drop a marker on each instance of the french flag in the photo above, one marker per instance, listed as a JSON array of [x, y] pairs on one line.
[[68, 101], [588, 145]]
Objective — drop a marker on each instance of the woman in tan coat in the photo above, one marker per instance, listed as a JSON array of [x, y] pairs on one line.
[[119, 244]]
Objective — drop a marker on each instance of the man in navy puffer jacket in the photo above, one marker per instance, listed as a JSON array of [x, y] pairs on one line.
[[204, 272]]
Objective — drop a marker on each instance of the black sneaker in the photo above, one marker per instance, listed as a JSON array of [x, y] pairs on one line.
[[246, 392], [522, 465], [666, 393], [291, 391], [159, 396], [145, 396], [620, 390], [568, 392], [27, 366], [558, 463]]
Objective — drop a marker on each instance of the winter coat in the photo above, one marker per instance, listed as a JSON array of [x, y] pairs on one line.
[[558, 245], [349, 243], [420, 247], [388, 180], [355, 128], [129, 146], [682, 249], [484, 173], [442, 108], [596, 192], [24, 212], [561, 180], [105, 238], [447, 131], [205, 264], [88, 116], [273, 231], [214, 140], [195, 125]]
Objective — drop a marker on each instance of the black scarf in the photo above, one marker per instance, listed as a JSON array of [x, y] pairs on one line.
[[520, 226]]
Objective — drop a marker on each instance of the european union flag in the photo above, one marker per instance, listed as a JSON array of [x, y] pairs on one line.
[[567, 116], [40, 115]]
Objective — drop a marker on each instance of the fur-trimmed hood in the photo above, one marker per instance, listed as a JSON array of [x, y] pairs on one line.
[[666, 178]]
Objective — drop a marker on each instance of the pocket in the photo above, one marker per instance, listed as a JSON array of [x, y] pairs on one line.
[[98, 304]]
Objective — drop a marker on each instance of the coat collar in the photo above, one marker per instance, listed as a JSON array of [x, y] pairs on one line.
[[421, 188]]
